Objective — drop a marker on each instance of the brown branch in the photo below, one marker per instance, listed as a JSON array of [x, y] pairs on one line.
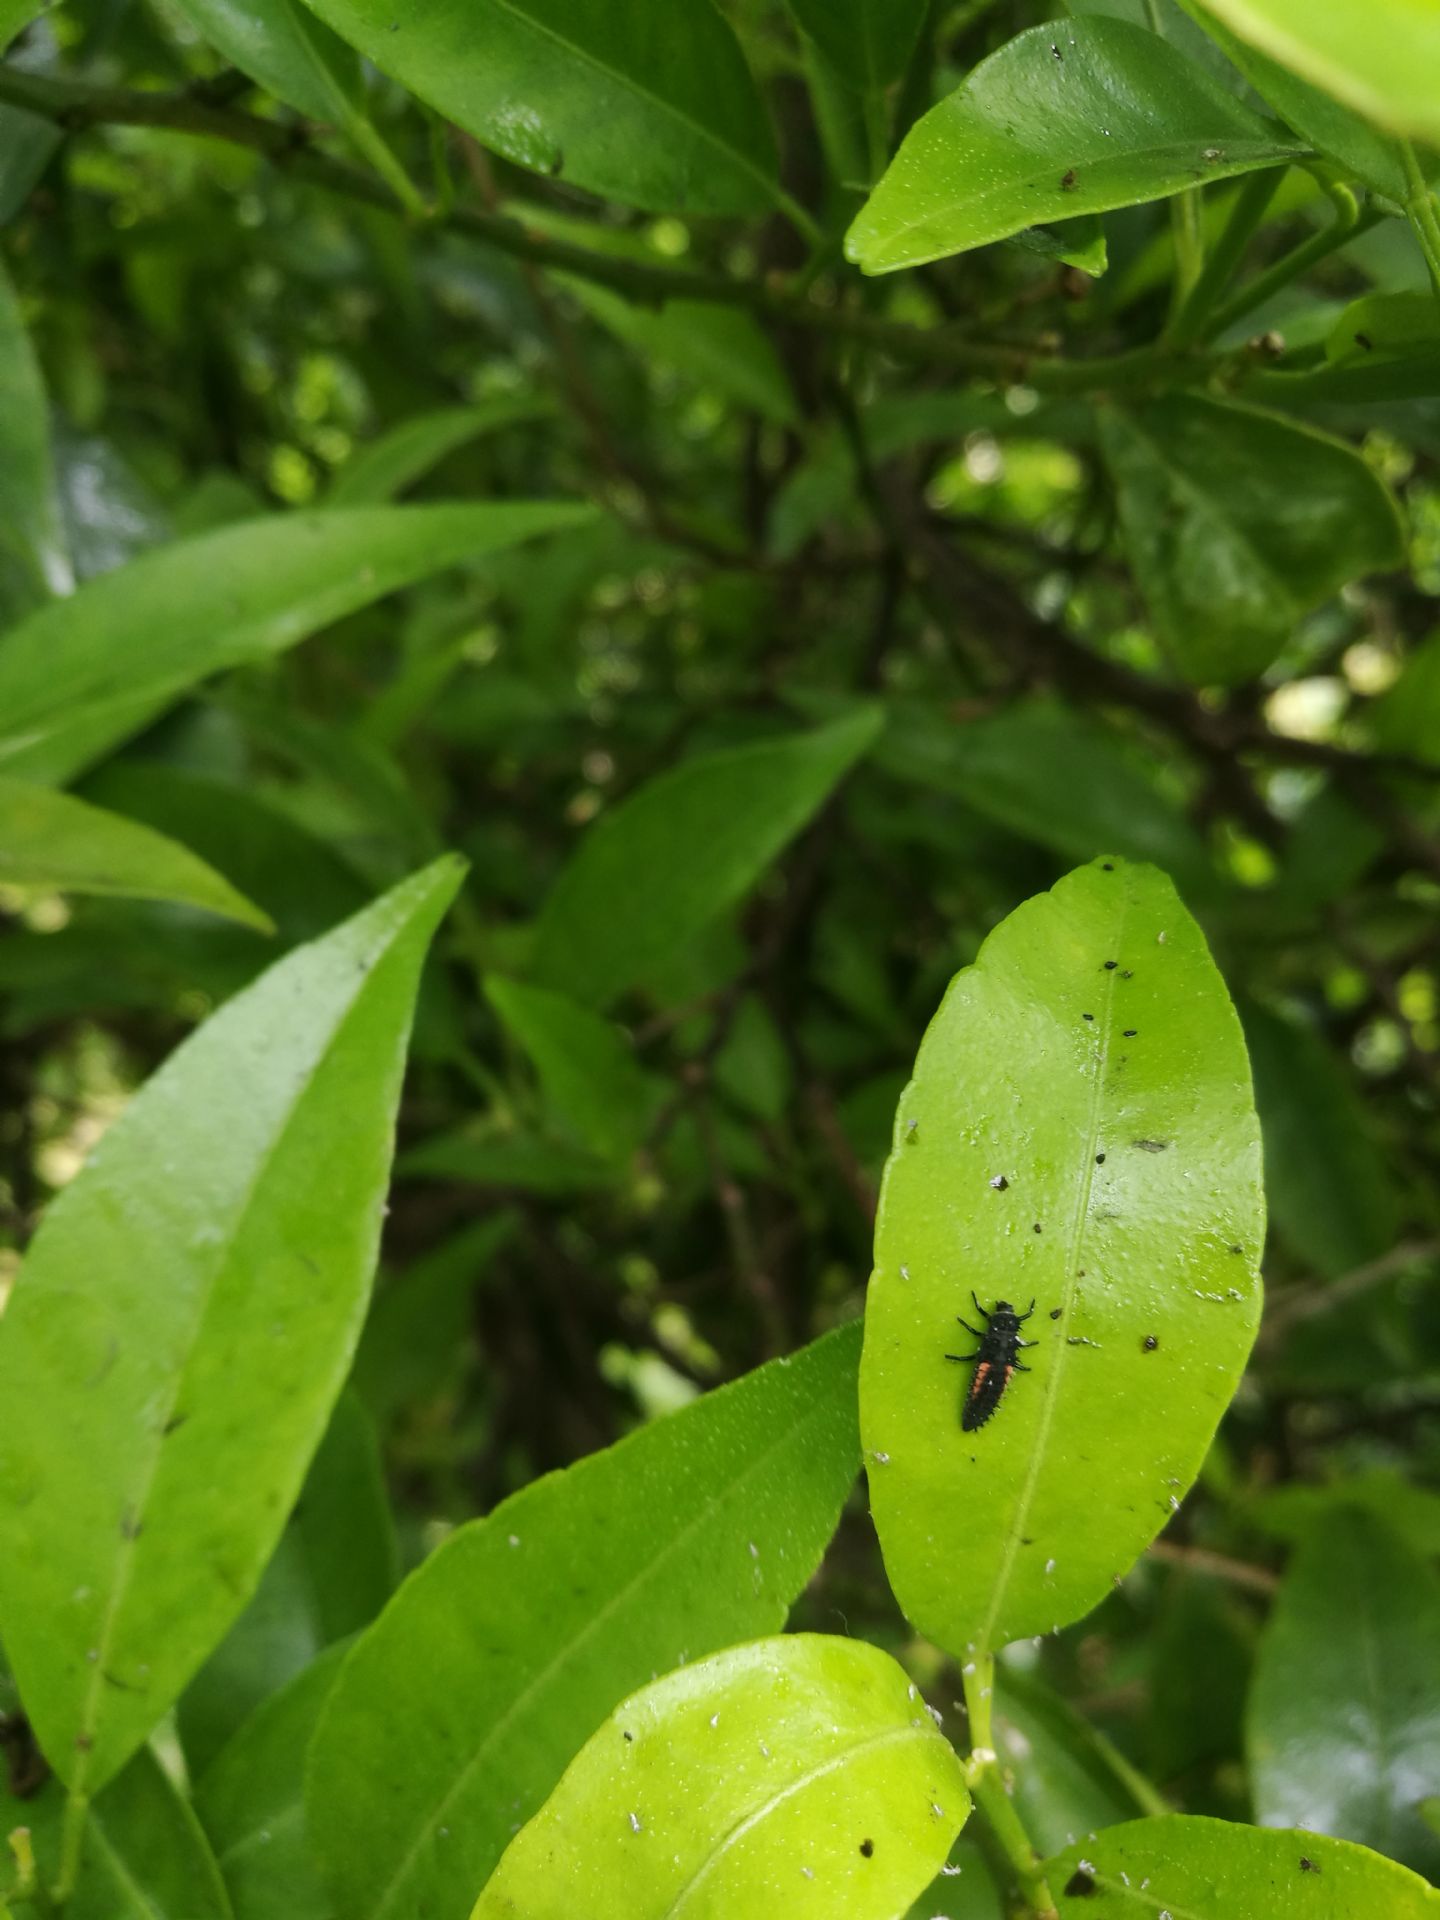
[[1201, 1560]]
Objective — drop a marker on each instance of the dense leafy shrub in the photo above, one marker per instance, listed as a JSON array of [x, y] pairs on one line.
[[624, 553]]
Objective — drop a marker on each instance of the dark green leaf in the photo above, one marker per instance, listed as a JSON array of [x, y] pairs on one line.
[[1344, 1717], [868, 41], [33, 562], [386, 467], [595, 94], [650, 876], [182, 1326], [588, 1070], [83, 673], [459, 1709], [1079, 1130], [799, 1775], [1238, 522], [1331, 1191], [1067, 119]]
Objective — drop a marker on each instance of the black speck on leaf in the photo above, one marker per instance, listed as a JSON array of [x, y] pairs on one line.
[[1150, 1343], [1364, 340], [1080, 1884], [867, 1847], [1110, 965], [1129, 1033], [1055, 1312]]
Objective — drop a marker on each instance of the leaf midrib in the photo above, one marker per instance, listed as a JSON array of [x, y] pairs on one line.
[[553, 1668], [1050, 1394], [983, 198], [891, 1737], [628, 83], [123, 1564]]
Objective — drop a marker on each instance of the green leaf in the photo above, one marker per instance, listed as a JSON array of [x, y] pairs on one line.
[[868, 42], [1330, 128], [1384, 326], [1053, 776], [418, 1334], [334, 1568], [81, 674], [52, 842], [1108, 1166], [281, 44], [722, 348], [596, 94], [500, 1656], [1406, 718], [586, 1065], [1067, 1778], [1343, 1724], [1381, 57], [514, 1158], [1237, 523], [1331, 1191], [1198, 1869], [799, 1775], [143, 1855], [1077, 117], [251, 1803], [651, 875], [387, 466], [33, 562], [15, 14], [182, 1326]]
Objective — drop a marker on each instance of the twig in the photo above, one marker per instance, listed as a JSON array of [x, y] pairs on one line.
[[1201, 1560], [1301, 1303]]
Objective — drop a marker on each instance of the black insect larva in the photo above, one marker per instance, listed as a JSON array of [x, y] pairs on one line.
[[996, 1359]]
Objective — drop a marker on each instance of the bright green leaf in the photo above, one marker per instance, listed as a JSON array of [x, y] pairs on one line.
[[1330, 1186], [15, 14], [182, 1326], [1332, 129], [797, 1775], [386, 467], [869, 42], [33, 562], [1344, 1715], [251, 1803], [1238, 522], [499, 1657], [334, 1568], [582, 89], [1067, 119], [587, 1068], [1198, 1869], [1079, 1131], [52, 842], [651, 875], [83, 673], [1381, 57]]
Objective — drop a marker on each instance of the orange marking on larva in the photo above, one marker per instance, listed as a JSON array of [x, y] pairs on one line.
[[979, 1380]]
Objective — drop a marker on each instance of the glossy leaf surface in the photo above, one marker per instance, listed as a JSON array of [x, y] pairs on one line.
[[460, 1708], [1198, 1869], [1381, 57], [1079, 1130], [53, 842], [586, 1064], [282, 45], [387, 466], [587, 91], [83, 673], [33, 562], [1073, 118], [251, 1803], [182, 1326], [798, 1775], [651, 875], [1344, 1714], [868, 41], [1237, 523]]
